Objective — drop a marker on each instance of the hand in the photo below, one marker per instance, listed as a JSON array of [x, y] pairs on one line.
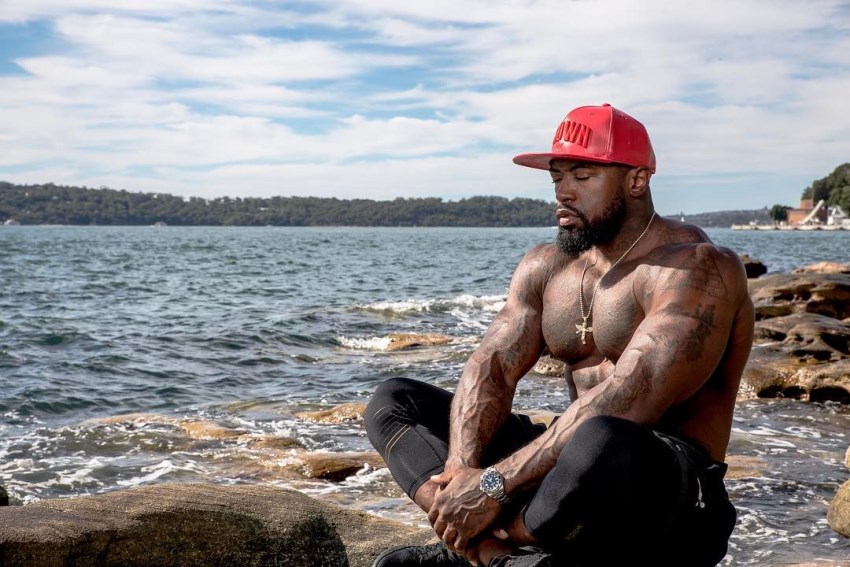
[[515, 531], [483, 549], [460, 510]]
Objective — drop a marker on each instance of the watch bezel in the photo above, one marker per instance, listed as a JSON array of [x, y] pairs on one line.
[[492, 484]]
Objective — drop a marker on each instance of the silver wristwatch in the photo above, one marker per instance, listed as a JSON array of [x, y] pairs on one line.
[[492, 484]]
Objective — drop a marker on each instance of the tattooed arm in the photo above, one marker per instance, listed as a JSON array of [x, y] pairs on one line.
[[692, 299], [482, 402], [509, 349]]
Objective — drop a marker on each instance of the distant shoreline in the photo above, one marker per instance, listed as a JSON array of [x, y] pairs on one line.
[[791, 227]]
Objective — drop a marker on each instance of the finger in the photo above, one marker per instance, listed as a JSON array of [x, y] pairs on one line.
[[461, 544], [501, 534], [440, 527], [442, 479], [449, 537]]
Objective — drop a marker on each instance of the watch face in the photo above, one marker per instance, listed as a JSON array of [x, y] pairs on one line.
[[491, 482]]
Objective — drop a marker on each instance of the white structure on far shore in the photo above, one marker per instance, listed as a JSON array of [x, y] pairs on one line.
[[837, 216]]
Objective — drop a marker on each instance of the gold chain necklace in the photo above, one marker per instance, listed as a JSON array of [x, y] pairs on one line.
[[584, 329]]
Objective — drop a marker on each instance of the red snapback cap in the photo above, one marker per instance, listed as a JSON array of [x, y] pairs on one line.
[[600, 134]]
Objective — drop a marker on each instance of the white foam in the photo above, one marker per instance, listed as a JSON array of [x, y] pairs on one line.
[[368, 343], [489, 303], [401, 307], [156, 471]]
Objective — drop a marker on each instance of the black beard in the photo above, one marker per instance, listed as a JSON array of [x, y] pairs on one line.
[[574, 241]]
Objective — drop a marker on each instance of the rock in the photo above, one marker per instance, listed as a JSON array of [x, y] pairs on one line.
[[823, 268], [752, 266], [196, 525], [548, 366], [808, 336], [338, 414], [273, 442], [4, 497], [544, 417], [818, 563], [400, 341], [802, 336], [772, 372], [784, 294], [742, 466], [197, 429], [137, 419], [334, 467], [839, 510]]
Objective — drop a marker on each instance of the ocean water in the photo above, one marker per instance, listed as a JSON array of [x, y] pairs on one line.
[[138, 355]]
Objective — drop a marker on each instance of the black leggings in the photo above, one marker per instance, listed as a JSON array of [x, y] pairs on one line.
[[620, 492]]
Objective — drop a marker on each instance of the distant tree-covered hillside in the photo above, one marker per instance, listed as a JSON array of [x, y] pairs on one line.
[[56, 204], [725, 219], [834, 188]]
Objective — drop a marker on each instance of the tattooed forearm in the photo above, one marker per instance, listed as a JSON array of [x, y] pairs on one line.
[[476, 418], [485, 391], [619, 401]]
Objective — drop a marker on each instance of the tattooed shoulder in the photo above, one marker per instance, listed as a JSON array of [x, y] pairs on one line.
[[697, 267]]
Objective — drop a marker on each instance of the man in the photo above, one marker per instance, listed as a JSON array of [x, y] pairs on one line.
[[655, 325]]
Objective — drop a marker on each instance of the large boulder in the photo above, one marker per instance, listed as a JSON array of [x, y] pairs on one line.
[[196, 524], [801, 347], [839, 510], [772, 373], [784, 294], [807, 336]]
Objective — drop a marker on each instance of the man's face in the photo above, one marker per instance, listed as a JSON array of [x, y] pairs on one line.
[[591, 204]]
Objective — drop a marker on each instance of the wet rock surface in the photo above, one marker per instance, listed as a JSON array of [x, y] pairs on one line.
[[801, 347], [839, 508], [196, 525], [753, 266]]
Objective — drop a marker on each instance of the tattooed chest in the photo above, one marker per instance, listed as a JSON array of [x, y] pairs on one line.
[[606, 331]]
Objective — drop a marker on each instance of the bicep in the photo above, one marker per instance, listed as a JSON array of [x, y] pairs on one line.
[[675, 349]]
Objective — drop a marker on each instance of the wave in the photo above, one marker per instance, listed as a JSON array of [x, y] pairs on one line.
[[368, 343], [487, 303], [404, 341]]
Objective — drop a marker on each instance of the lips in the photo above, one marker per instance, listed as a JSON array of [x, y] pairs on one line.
[[567, 217]]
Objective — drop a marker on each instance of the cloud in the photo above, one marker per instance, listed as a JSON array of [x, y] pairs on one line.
[[418, 97]]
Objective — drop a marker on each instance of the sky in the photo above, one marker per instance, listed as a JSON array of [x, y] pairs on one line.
[[746, 101]]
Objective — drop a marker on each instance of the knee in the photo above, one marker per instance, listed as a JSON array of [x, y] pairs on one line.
[[388, 396], [390, 392]]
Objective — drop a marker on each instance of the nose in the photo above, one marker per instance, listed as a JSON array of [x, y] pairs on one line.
[[563, 192]]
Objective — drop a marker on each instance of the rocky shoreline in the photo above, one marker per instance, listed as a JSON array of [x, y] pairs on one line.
[[801, 350], [191, 525]]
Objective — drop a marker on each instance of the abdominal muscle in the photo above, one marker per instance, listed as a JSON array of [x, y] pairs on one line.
[[704, 418]]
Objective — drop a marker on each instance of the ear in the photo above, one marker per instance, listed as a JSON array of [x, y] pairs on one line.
[[637, 181]]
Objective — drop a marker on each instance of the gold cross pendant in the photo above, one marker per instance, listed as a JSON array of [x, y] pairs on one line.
[[583, 329]]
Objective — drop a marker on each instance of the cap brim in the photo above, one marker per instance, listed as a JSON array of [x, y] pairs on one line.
[[543, 161]]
